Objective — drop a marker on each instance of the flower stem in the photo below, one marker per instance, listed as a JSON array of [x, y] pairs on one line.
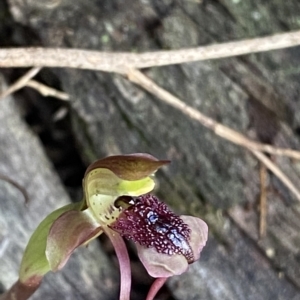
[[124, 262], [19, 291], [155, 287]]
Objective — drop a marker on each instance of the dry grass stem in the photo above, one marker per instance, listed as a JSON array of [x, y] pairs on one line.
[[16, 185], [21, 82], [219, 129], [47, 91], [277, 172], [235, 137], [121, 62], [263, 201]]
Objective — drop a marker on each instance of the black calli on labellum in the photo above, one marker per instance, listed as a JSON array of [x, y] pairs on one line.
[[151, 223]]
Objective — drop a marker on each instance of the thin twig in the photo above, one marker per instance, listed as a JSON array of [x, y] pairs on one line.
[[263, 201], [47, 91], [21, 82], [229, 134], [219, 129], [16, 185], [121, 62], [276, 171]]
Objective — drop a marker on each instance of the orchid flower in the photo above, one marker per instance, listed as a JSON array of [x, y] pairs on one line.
[[117, 202]]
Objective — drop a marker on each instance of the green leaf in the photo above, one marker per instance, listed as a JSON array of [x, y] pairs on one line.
[[34, 262]]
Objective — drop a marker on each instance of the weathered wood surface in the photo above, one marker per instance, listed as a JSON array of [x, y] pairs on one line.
[[209, 177], [23, 160]]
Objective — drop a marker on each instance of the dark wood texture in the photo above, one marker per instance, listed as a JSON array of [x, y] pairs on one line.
[[256, 94]]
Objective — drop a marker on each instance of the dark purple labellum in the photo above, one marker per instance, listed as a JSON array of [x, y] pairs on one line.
[[150, 223]]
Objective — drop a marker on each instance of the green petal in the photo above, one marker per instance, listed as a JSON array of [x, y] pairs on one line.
[[107, 179], [103, 187], [70, 230], [34, 263]]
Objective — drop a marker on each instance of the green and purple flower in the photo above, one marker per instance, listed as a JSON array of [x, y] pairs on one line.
[[117, 202]]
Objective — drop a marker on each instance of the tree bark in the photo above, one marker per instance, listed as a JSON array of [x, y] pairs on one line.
[[209, 177]]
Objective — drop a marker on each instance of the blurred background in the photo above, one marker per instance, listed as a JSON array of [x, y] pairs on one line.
[[46, 143]]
